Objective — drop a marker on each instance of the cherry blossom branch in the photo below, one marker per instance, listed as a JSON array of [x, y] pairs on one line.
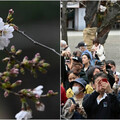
[[37, 43]]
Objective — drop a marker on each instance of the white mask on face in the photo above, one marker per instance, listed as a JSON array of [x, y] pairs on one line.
[[75, 90]]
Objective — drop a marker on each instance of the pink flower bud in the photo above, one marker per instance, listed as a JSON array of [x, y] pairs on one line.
[[14, 71], [26, 57], [50, 92], [18, 82], [11, 11], [13, 49], [37, 55], [29, 90], [6, 93], [7, 79]]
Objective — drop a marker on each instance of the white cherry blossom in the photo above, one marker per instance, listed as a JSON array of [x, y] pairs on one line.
[[23, 115], [7, 31], [1, 24], [102, 8], [4, 43], [38, 90]]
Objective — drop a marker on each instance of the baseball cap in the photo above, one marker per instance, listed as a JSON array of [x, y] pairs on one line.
[[81, 44], [78, 59]]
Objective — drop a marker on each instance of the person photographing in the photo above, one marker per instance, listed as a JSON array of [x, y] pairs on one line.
[[73, 108]]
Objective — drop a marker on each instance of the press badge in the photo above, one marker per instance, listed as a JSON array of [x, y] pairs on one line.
[[104, 104]]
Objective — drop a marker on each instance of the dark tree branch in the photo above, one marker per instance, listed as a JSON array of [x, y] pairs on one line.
[[37, 43]]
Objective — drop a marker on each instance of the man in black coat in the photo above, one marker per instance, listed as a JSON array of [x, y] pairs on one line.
[[102, 103]]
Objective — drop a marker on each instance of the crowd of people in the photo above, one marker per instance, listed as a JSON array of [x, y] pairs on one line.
[[90, 85]]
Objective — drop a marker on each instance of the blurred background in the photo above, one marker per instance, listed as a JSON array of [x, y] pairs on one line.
[[40, 20]]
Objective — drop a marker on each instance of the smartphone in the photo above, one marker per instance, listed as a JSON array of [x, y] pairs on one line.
[[104, 80]]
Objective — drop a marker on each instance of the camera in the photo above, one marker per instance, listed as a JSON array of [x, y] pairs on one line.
[[99, 63], [77, 106]]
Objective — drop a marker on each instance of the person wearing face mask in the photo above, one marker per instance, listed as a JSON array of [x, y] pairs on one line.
[[73, 108], [71, 77]]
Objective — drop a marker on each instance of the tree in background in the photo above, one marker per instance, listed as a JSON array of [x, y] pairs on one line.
[[100, 17], [64, 21], [103, 15]]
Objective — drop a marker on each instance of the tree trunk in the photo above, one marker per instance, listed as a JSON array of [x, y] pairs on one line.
[[109, 20], [64, 21], [91, 11]]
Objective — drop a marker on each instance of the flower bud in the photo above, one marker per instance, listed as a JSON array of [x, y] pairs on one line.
[[13, 50], [51, 93], [25, 60], [18, 52], [6, 59], [18, 82], [40, 106], [45, 65], [7, 79], [16, 66], [6, 85], [37, 55], [22, 71], [6, 73], [42, 70], [8, 65], [6, 93], [36, 58], [11, 11], [3, 77], [14, 71]]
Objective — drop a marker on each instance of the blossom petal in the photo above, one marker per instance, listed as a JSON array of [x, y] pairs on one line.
[[23, 114], [40, 107], [3, 43], [1, 24], [38, 88]]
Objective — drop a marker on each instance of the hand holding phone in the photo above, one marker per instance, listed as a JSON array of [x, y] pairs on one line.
[[104, 80]]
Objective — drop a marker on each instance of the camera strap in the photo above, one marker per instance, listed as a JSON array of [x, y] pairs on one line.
[[72, 100]]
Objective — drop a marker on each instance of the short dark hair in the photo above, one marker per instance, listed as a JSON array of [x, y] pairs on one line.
[[101, 74], [96, 41], [88, 55], [111, 62]]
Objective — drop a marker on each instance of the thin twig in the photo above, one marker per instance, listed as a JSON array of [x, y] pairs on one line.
[[37, 43]]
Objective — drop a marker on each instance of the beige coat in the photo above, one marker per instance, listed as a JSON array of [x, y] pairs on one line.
[[65, 111]]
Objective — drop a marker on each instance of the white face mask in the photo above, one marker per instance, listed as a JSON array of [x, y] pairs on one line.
[[76, 90]]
